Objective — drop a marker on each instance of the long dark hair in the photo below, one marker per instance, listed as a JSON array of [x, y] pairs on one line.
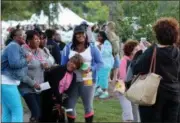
[[103, 35], [75, 42]]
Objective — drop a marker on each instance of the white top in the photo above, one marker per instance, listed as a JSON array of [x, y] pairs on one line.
[[87, 59], [86, 55], [49, 58], [9, 81]]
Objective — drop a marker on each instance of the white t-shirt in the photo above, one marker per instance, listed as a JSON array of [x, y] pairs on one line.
[[87, 59], [9, 81]]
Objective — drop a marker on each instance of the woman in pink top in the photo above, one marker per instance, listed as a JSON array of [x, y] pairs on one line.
[[130, 48]]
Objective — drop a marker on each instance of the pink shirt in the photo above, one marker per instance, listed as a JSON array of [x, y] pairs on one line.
[[65, 82], [122, 68]]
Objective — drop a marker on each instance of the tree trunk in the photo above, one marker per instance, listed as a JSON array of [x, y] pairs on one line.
[[49, 19]]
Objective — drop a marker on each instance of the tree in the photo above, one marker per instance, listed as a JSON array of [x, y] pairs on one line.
[[96, 11], [15, 10]]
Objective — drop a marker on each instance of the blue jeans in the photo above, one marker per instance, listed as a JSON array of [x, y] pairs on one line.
[[12, 109], [116, 61], [87, 95], [33, 102]]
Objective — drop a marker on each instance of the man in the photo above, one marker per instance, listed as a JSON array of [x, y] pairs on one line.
[[52, 45]]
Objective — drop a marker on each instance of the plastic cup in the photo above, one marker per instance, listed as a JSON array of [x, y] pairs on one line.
[[84, 66]]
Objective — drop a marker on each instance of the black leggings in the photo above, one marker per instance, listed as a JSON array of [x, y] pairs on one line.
[[164, 110], [48, 115]]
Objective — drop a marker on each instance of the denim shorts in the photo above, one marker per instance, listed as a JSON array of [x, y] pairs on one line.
[[116, 61]]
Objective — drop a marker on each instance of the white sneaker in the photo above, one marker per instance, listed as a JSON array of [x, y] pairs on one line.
[[98, 92]]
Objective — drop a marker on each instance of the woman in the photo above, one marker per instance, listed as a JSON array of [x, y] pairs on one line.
[[46, 95], [130, 49], [168, 66], [104, 72], [92, 58], [114, 39], [61, 79], [47, 55], [52, 45], [36, 67], [13, 64]]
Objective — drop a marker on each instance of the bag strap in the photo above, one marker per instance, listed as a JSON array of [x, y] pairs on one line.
[[153, 61], [178, 65]]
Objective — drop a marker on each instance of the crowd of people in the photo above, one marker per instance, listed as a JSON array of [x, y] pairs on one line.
[[84, 68]]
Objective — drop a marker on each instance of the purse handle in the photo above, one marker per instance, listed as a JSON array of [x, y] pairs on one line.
[[153, 61]]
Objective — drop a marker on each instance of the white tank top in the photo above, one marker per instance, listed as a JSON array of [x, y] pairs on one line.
[[87, 59]]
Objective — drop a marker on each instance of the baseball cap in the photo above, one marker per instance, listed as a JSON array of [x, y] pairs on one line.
[[79, 29], [84, 23]]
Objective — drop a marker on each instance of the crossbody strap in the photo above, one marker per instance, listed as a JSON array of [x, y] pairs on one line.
[[178, 60], [153, 61]]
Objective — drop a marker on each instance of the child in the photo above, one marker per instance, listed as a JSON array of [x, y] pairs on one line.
[[61, 80]]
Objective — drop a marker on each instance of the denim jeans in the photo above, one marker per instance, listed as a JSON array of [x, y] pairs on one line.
[[12, 109], [33, 102], [87, 95], [135, 111], [127, 111]]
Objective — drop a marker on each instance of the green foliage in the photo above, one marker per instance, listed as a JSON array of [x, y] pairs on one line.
[[147, 13], [97, 11], [15, 10], [121, 12]]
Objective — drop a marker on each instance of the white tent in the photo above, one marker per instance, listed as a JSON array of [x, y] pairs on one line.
[[67, 17], [41, 19]]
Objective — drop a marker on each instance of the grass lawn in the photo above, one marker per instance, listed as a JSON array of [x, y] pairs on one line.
[[105, 111]]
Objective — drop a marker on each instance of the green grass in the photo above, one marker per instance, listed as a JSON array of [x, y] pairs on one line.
[[105, 110]]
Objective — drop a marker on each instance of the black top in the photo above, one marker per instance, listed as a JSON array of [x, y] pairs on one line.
[[167, 66], [54, 76], [54, 50]]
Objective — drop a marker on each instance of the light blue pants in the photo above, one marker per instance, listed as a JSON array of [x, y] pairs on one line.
[[102, 79], [12, 109], [130, 111]]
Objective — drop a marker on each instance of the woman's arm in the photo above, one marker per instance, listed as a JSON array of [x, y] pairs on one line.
[[98, 62], [142, 64], [29, 81]]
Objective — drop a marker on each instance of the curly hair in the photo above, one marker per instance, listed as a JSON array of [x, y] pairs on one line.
[[166, 30], [129, 47]]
